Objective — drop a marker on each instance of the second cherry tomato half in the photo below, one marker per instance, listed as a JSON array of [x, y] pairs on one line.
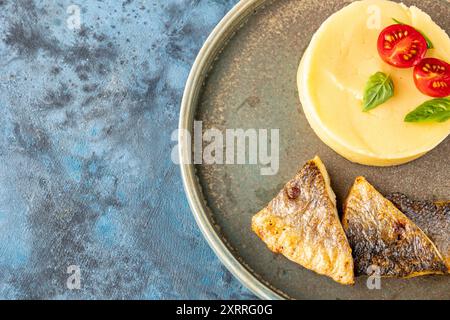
[[432, 77], [401, 46]]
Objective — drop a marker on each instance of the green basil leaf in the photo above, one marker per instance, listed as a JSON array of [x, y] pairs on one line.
[[431, 110], [379, 89], [429, 43]]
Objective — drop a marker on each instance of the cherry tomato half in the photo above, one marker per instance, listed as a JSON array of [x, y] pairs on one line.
[[401, 46], [432, 77]]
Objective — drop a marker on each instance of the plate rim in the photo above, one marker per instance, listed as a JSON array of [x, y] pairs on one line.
[[198, 72]]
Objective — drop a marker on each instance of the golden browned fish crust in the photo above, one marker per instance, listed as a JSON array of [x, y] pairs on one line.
[[432, 217], [382, 236], [302, 223]]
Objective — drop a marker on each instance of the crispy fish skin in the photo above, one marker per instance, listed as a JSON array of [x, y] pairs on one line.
[[432, 217], [382, 236], [302, 223]]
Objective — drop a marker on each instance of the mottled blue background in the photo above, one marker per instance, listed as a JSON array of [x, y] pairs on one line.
[[85, 171]]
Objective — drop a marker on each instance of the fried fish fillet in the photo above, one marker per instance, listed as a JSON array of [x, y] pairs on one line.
[[382, 236], [302, 223], [432, 217]]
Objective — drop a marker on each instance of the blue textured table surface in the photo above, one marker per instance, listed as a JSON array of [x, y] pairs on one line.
[[90, 95]]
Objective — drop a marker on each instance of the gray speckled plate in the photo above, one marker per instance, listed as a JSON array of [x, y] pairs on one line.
[[245, 77]]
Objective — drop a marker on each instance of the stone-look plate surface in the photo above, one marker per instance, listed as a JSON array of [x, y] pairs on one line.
[[252, 84]]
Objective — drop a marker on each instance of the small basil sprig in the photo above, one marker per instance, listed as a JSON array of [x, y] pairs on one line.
[[431, 110], [429, 43], [379, 89]]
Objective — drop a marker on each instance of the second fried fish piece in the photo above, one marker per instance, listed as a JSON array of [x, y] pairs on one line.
[[383, 237], [432, 217]]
